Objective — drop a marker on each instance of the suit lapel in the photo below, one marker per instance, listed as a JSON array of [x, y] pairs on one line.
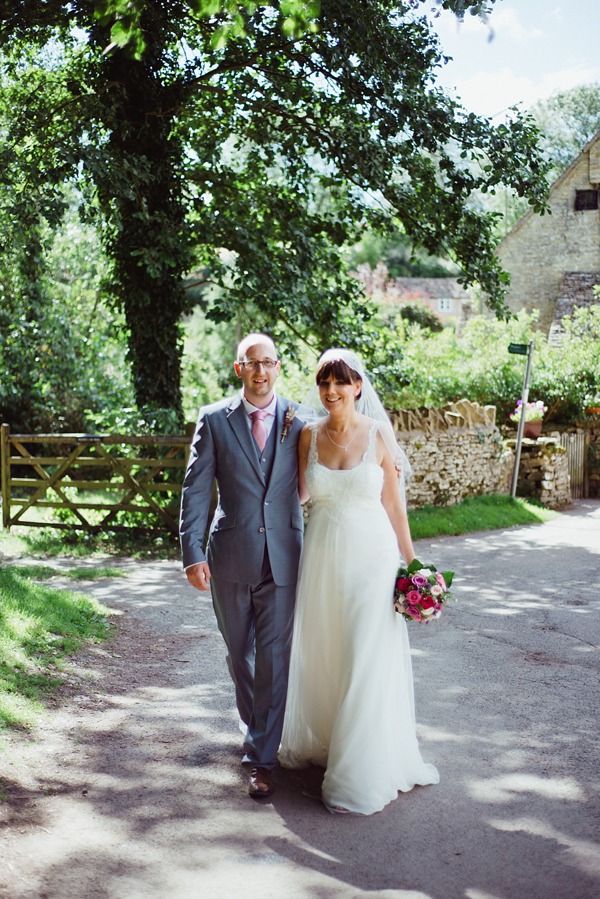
[[278, 427], [236, 415]]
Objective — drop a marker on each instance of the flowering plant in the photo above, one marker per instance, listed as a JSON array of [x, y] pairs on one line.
[[421, 591], [533, 411]]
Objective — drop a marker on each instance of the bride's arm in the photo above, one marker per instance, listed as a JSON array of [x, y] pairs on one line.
[[393, 505], [303, 447]]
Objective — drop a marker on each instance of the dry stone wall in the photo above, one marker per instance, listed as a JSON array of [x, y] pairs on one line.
[[454, 452], [544, 472], [457, 451]]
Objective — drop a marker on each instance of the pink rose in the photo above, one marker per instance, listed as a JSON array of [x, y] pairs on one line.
[[414, 613], [440, 579], [436, 590], [419, 581], [414, 597]]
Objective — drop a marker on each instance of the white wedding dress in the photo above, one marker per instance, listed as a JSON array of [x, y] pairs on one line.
[[350, 705]]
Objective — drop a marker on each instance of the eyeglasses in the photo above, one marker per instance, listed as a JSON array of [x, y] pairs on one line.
[[253, 364]]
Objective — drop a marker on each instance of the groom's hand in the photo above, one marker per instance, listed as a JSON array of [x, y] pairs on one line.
[[199, 576]]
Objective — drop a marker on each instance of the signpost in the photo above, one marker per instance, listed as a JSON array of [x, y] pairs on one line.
[[521, 349]]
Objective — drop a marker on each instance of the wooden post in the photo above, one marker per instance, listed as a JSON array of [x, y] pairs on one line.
[[5, 468]]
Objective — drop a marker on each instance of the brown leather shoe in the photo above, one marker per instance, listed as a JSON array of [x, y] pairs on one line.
[[260, 782]]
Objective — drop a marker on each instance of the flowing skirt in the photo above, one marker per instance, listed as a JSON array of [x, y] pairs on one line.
[[350, 705]]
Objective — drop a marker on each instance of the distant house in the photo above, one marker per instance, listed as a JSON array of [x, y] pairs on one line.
[[444, 296], [554, 260]]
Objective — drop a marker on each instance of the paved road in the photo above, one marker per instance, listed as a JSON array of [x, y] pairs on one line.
[[507, 692]]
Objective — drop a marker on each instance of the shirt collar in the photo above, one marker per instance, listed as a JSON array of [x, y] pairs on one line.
[[271, 408]]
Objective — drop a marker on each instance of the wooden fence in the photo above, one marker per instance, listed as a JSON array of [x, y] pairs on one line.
[[577, 446], [52, 471]]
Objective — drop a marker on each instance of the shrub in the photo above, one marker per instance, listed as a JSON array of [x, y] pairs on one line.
[[435, 369]]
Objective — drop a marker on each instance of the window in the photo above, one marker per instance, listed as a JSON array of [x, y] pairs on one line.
[[586, 199], [445, 304]]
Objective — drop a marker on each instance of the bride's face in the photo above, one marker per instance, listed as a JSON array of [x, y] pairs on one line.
[[337, 396]]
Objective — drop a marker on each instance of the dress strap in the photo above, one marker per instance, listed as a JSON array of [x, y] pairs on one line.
[[313, 456], [370, 454]]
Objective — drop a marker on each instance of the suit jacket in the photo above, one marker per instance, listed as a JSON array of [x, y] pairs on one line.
[[252, 511]]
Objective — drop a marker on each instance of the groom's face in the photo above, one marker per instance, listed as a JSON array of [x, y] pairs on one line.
[[258, 380]]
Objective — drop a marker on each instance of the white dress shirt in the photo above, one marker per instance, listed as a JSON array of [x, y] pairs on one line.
[[269, 419]]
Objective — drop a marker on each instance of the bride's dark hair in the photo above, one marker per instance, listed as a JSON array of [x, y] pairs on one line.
[[340, 371]]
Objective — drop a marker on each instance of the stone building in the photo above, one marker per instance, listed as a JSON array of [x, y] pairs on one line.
[[554, 260], [445, 297]]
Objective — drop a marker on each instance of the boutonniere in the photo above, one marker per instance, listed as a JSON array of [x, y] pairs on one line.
[[287, 421]]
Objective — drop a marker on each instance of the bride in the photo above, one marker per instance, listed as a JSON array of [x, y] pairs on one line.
[[350, 705]]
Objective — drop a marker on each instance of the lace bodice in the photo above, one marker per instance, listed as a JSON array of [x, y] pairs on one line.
[[339, 490]]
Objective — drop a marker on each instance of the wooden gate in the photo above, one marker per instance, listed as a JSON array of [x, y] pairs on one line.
[[576, 445], [136, 474]]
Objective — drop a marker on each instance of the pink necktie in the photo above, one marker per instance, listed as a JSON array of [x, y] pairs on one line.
[[259, 431]]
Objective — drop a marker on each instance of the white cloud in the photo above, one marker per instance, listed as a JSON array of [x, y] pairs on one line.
[[503, 22], [491, 93], [556, 14], [506, 21], [565, 79]]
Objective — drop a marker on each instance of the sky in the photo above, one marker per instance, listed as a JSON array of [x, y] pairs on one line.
[[528, 50]]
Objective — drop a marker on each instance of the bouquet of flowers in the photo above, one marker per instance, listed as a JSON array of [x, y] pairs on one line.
[[421, 591], [533, 411]]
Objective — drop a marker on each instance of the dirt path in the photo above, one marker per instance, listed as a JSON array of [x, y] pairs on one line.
[[131, 788]]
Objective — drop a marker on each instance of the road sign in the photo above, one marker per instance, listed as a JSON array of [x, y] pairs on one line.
[[521, 349]]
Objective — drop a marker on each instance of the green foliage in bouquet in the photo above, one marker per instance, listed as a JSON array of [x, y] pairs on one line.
[[415, 565]]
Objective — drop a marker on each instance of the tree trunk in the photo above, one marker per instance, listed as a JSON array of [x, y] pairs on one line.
[[139, 182]]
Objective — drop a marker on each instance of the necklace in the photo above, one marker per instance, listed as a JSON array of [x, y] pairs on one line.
[[341, 446]]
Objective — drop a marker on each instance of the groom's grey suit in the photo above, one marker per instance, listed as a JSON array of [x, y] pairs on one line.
[[253, 552]]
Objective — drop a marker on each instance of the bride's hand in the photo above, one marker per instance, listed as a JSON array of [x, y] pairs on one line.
[[398, 465]]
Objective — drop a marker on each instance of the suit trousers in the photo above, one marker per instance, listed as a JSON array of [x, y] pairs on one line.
[[256, 623]]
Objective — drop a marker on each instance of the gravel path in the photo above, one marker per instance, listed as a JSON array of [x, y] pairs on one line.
[[131, 788]]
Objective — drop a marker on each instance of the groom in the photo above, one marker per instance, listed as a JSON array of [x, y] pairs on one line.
[[249, 443]]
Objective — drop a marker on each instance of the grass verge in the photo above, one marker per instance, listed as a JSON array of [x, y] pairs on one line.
[[52, 542], [478, 513], [39, 627]]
